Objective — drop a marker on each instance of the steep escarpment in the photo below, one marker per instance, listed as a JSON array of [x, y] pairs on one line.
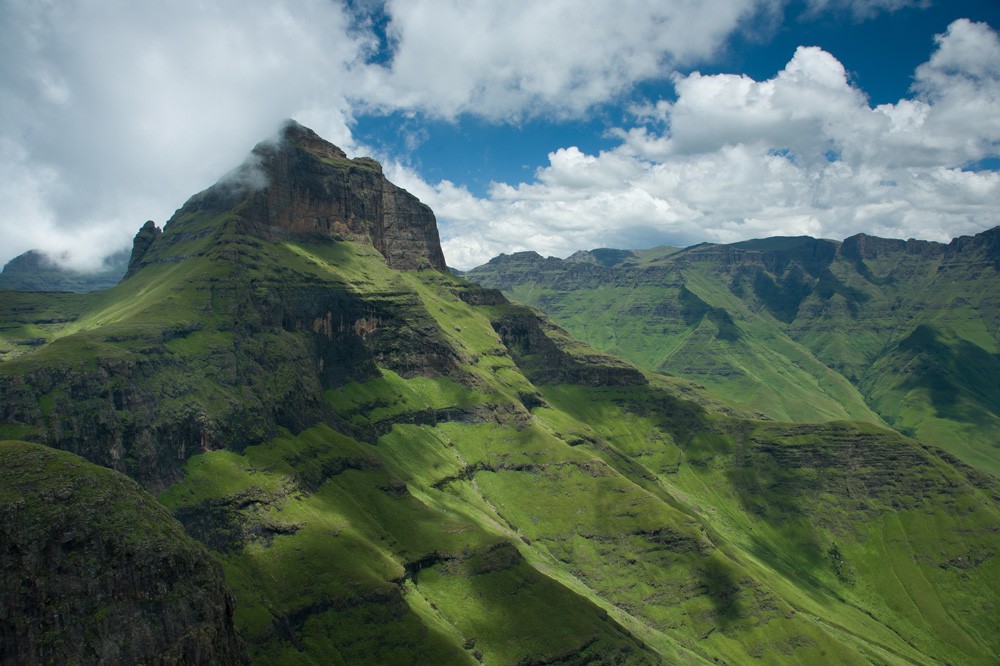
[[301, 187], [245, 341], [903, 332], [863, 246], [227, 327], [93, 570], [398, 466]]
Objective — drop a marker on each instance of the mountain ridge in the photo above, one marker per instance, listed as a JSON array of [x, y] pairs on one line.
[[399, 466], [36, 271], [765, 323]]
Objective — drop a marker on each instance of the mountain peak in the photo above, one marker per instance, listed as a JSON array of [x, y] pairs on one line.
[[300, 136], [302, 187], [314, 189]]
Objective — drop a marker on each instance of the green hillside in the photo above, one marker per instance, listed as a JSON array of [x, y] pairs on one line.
[[399, 466], [903, 333]]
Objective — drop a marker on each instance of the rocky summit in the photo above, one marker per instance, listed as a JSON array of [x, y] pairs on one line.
[[394, 465], [298, 186]]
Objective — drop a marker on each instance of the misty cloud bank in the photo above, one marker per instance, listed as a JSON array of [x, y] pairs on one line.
[[112, 113]]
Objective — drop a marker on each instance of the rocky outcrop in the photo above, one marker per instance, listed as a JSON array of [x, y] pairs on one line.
[[305, 188], [508, 270], [985, 246], [93, 570], [603, 256], [140, 245], [863, 246]]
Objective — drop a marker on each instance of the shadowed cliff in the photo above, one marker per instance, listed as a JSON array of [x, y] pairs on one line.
[[93, 570]]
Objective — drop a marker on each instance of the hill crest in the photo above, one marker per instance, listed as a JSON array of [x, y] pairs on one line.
[[302, 187]]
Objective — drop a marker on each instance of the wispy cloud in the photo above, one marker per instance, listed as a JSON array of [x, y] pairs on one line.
[[862, 9]]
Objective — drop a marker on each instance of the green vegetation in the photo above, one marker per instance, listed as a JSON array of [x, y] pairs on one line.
[[450, 497], [798, 329], [403, 467]]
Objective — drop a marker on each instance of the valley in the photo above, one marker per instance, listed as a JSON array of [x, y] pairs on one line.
[[902, 333], [390, 463]]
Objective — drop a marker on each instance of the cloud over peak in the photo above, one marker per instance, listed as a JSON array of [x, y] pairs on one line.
[[114, 112]]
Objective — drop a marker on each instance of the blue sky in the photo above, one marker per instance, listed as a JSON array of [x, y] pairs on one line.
[[551, 126], [880, 52]]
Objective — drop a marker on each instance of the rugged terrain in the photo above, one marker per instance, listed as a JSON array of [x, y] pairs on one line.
[[905, 333], [93, 570], [399, 466]]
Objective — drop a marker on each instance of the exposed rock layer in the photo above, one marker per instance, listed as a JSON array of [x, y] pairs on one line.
[[303, 187]]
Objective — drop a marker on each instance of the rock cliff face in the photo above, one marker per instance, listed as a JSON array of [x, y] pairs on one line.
[[303, 187], [984, 246], [314, 189], [863, 246], [140, 245], [93, 570]]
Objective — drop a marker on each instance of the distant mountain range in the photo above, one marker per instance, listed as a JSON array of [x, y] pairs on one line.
[[390, 464], [34, 271], [905, 333]]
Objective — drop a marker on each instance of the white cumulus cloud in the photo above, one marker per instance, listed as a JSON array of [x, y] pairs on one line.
[[115, 112], [802, 153], [507, 60]]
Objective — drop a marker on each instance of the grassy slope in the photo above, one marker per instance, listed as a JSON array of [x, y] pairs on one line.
[[931, 374], [356, 565], [465, 534], [843, 513], [163, 307], [454, 517], [903, 339], [744, 356]]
